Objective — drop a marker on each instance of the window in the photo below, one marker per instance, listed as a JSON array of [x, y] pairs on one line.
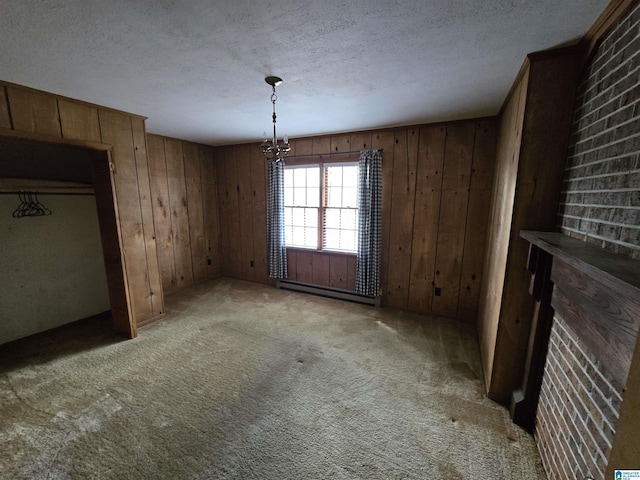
[[321, 206], [301, 203]]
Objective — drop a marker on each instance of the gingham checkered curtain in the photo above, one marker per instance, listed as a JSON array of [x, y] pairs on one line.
[[276, 249], [369, 223]]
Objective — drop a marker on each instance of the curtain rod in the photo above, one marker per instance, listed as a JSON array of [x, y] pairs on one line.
[[351, 152], [343, 153]]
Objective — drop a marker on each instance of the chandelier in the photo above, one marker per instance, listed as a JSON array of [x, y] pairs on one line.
[[271, 150]]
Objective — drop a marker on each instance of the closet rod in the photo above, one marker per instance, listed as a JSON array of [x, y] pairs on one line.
[[18, 192]]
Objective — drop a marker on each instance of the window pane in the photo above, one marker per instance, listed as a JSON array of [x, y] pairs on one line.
[[350, 176], [334, 197], [313, 197], [288, 178], [297, 237], [313, 176], [334, 176], [311, 217], [348, 240], [332, 238], [288, 233], [349, 197], [311, 237], [299, 196], [332, 218], [299, 177], [288, 196], [301, 227], [302, 186], [349, 219], [298, 217]]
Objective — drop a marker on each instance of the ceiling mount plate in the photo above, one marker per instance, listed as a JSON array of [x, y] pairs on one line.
[[273, 81]]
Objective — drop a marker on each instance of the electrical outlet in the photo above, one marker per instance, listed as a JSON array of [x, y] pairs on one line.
[[438, 291], [208, 261], [252, 263]]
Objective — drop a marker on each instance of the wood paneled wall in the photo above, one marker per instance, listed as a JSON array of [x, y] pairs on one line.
[[184, 199], [532, 145], [510, 134], [327, 269], [41, 116], [437, 182], [241, 173]]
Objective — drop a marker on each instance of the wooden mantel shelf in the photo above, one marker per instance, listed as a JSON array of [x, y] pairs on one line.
[[620, 273]]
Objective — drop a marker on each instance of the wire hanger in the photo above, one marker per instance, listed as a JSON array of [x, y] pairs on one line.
[[30, 206]]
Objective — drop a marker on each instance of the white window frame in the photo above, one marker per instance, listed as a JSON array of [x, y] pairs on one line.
[[325, 207], [288, 205], [321, 209]]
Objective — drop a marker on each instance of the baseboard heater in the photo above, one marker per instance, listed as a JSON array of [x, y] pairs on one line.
[[327, 292]]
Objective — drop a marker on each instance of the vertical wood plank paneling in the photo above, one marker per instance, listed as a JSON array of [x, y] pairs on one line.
[[541, 155], [34, 112], [108, 222], [245, 206], [340, 143], [304, 267], [221, 176], [321, 267], [146, 210], [504, 185], [161, 211], [292, 265], [179, 212], [477, 217], [117, 131], [259, 215], [426, 216], [453, 215], [320, 145], [351, 273], [198, 247], [360, 141], [338, 271], [192, 175], [233, 212], [79, 121], [402, 208], [385, 140], [209, 185], [5, 119], [301, 146], [193, 191]]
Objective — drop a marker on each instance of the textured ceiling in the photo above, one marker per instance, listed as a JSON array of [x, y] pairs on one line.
[[196, 68]]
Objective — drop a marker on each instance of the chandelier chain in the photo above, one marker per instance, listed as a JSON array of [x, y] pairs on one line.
[[272, 150]]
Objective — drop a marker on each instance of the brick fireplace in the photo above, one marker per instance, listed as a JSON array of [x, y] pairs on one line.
[[578, 409], [585, 332]]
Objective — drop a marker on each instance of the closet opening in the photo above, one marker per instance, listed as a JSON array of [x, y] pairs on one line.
[[61, 258]]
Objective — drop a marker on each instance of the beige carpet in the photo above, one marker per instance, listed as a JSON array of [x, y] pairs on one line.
[[243, 381]]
